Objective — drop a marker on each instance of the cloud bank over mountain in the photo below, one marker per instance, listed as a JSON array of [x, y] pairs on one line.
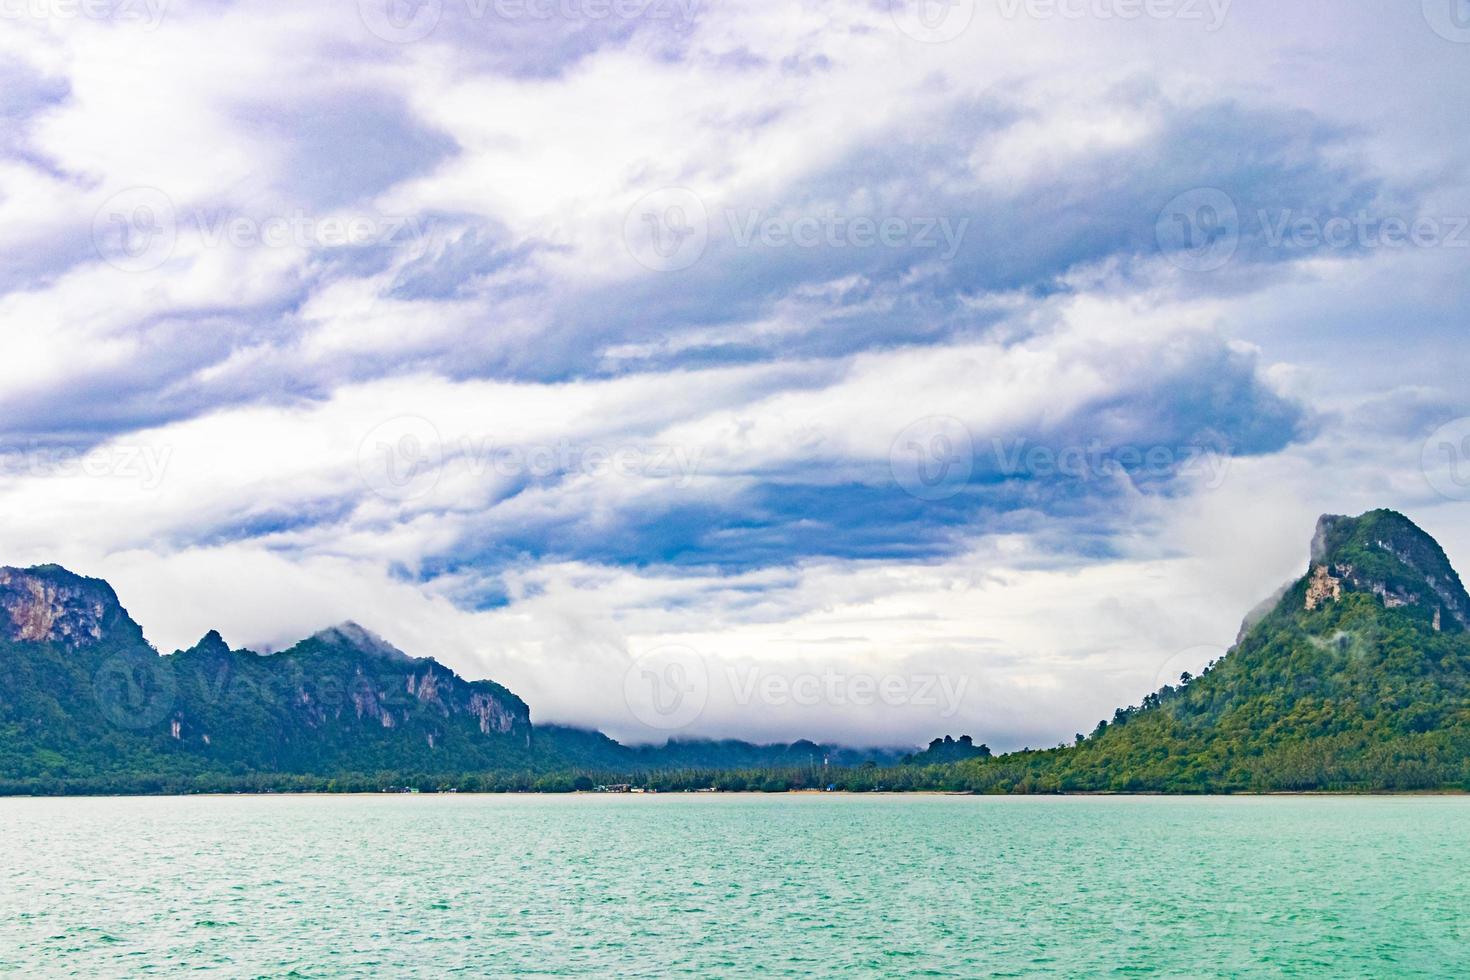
[[1003, 349]]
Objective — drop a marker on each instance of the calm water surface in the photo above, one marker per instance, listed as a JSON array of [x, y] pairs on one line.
[[735, 886]]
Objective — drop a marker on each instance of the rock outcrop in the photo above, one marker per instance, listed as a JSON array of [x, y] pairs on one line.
[[48, 604], [1385, 554], [1322, 587], [343, 689]]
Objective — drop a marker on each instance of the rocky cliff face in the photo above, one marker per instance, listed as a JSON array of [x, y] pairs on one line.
[[1322, 587], [86, 702], [48, 604], [425, 683], [1385, 554], [77, 674], [340, 693]]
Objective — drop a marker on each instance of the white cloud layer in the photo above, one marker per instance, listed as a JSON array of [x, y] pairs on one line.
[[500, 427]]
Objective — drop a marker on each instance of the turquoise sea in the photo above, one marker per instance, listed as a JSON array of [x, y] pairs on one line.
[[704, 885]]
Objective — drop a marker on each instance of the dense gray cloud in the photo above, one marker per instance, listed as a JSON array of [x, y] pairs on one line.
[[554, 332]]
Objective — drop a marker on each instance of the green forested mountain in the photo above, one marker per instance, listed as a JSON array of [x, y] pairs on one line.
[[87, 704], [83, 696], [1355, 679]]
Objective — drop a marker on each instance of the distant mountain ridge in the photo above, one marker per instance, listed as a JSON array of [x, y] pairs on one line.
[[1355, 676], [83, 696]]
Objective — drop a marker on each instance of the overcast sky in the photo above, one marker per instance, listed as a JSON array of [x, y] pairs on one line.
[[840, 370]]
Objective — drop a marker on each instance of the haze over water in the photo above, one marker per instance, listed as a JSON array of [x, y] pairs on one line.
[[735, 885]]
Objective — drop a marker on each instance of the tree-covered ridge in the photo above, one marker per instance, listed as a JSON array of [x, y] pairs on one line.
[[1354, 690], [87, 705], [1356, 679], [948, 749], [340, 700]]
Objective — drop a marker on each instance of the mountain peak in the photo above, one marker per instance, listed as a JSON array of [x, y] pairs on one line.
[[49, 604], [349, 634], [212, 643], [1384, 553], [1336, 531]]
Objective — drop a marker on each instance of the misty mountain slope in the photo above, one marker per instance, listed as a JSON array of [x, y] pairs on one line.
[[1356, 679], [343, 699], [82, 695], [86, 703]]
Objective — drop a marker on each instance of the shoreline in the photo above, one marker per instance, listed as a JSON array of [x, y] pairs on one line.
[[889, 794]]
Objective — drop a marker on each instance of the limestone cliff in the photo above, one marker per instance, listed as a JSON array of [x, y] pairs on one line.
[[48, 604], [1385, 554]]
